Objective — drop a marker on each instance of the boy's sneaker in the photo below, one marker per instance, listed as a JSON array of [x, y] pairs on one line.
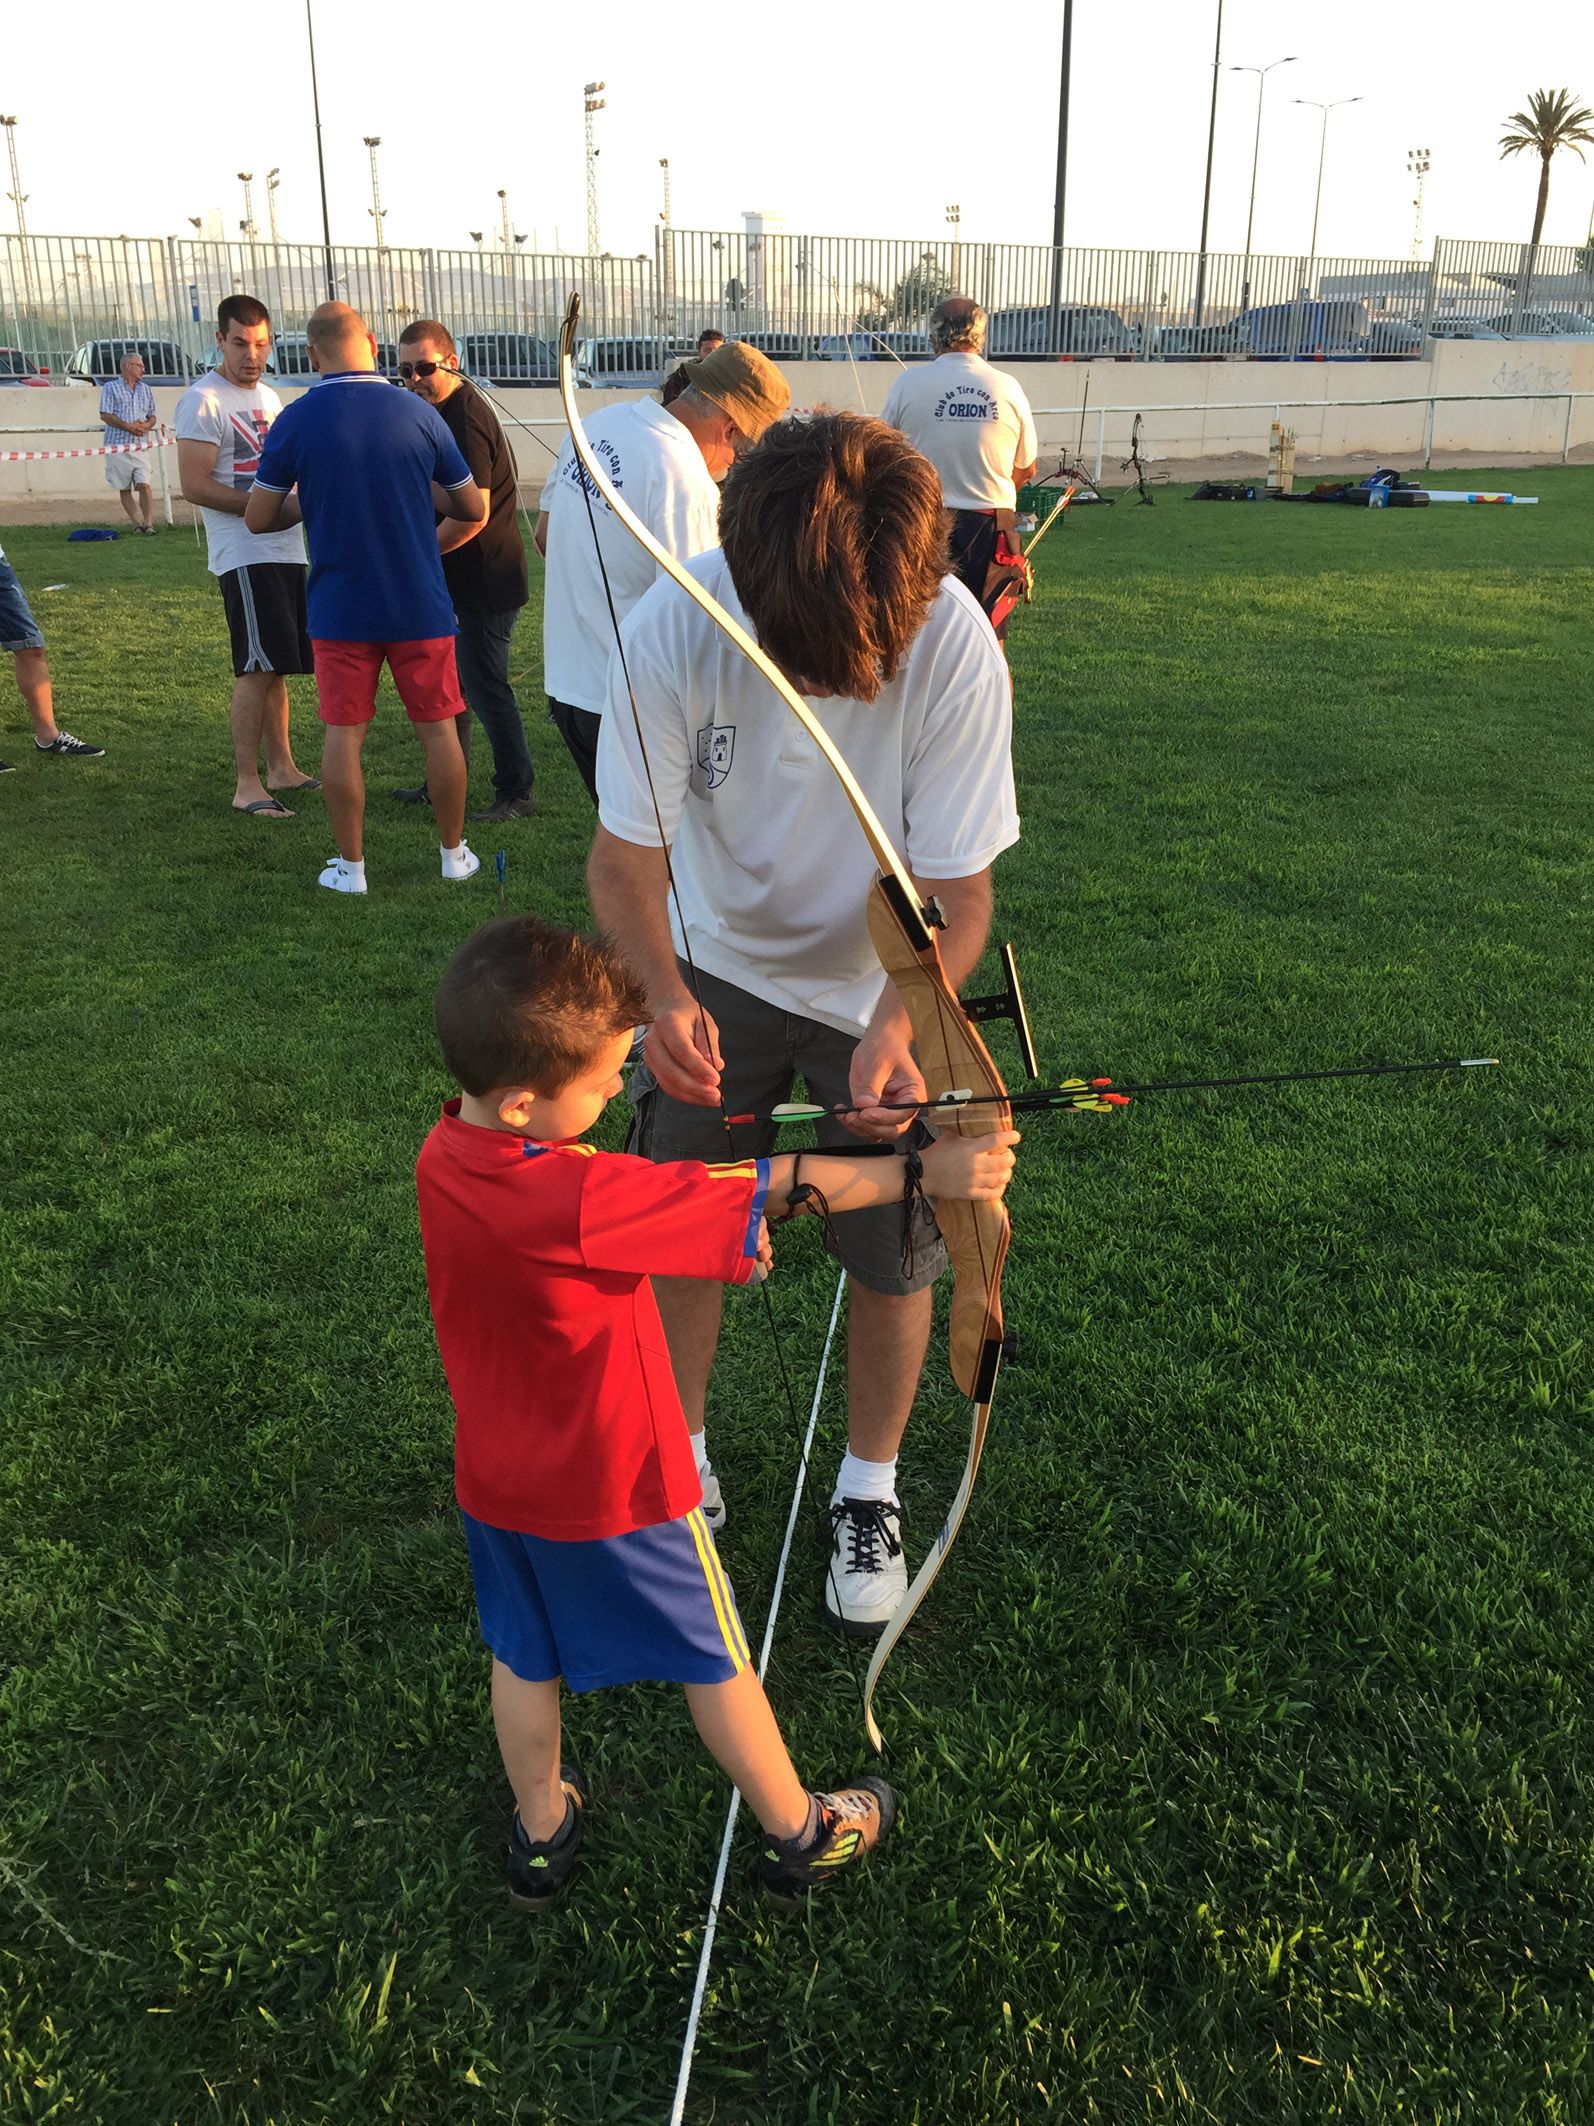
[[868, 1575], [852, 1822], [461, 863], [342, 877], [713, 1499], [65, 747], [536, 1871], [6, 768]]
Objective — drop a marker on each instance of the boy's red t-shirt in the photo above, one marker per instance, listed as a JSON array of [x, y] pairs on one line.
[[538, 1256]]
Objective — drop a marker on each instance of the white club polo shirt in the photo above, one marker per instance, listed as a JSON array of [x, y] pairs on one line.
[[659, 471], [771, 865], [973, 424]]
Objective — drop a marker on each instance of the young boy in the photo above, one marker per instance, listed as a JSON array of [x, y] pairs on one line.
[[573, 1466]]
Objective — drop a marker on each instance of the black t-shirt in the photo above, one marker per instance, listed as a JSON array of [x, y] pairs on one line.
[[488, 573]]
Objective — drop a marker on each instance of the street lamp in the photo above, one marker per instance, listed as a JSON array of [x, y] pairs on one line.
[[1322, 150], [246, 178], [593, 102], [273, 182], [954, 216], [1261, 73], [1419, 161]]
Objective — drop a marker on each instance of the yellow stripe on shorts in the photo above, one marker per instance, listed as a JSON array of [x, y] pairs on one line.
[[719, 1589]]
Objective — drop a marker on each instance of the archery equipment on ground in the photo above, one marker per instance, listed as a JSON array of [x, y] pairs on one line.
[[1281, 459]]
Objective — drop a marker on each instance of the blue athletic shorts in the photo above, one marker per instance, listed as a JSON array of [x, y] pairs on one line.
[[653, 1606], [18, 628]]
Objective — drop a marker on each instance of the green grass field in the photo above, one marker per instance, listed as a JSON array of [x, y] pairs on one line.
[[1243, 1743]]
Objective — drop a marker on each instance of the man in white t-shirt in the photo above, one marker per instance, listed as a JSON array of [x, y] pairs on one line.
[[834, 556], [221, 427], [666, 461], [974, 425]]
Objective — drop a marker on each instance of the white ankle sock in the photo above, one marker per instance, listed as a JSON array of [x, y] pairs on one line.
[[460, 862], [354, 866], [858, 1479], [700, 1450]]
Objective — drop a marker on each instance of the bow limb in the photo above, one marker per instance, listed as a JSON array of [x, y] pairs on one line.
[[950, 1053]]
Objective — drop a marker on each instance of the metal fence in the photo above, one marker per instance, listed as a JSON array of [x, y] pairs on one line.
[[69, 304]]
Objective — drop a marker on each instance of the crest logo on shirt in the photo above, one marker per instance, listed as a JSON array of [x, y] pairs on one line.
[[716, 743]]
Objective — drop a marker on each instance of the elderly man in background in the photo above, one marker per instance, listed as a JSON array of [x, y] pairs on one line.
[[484, 566], [974, 425], [127, 413], [222, 422], [666, 462], [372, 467]]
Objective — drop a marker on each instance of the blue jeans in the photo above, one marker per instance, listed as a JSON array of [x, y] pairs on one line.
[[481, 650]]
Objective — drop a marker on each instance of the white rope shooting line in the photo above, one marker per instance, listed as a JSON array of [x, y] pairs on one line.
[[711, 1925]]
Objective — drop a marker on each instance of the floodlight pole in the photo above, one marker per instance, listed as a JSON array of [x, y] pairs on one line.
[[320, 161], [1206, 196], [1261, 73], [19, 200], [1060, 197], [273, 183], [593, 102], [1322, 151]]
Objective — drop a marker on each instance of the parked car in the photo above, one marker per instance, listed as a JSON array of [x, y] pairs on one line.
[[1306, 331], [15, 368], [290, 357], [509, 358], [1393, 339], [621, 364], [779, 346], [1462, 328], [97, 361], [1544, 325], [1035, 332], [1196, 343]]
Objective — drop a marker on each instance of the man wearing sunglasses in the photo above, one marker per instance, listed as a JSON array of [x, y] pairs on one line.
[[484, 566]]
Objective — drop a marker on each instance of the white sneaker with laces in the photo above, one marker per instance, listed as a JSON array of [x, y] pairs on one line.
[[868, 1575], [462, 862], [713, 1500], [340, 878]]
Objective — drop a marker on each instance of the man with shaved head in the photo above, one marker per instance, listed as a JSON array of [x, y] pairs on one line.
[[373, 467]]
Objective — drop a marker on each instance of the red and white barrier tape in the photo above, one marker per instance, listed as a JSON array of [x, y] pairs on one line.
[[105, 450]]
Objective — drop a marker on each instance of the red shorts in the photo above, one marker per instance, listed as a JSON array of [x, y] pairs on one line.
[[428, 684]]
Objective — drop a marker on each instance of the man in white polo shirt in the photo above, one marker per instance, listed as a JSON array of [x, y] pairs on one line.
[[666, 462], [974, 425], [834, 556]]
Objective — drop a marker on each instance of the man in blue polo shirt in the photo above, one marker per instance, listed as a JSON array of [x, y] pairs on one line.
[[370, 463]]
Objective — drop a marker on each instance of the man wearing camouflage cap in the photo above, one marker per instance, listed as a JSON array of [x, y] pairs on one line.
[[667, 462]]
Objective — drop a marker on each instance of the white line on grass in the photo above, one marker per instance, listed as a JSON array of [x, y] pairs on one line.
[[711, 1926]]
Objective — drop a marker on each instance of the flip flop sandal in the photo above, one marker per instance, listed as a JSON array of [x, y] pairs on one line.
[[264, 807]]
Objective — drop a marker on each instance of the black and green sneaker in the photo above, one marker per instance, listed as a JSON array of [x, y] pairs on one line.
[[537, 1870], [852, 1822]]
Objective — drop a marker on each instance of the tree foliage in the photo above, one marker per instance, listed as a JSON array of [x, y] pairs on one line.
[[1551, 121]]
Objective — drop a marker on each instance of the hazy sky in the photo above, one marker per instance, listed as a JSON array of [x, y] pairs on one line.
[[868, 117]]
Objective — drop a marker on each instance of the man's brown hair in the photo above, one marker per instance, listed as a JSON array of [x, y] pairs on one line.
[[525, 1002], [245, 310], [427, 328], [835, 533]]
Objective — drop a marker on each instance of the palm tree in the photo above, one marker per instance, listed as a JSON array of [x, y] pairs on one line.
[[1550, 121]]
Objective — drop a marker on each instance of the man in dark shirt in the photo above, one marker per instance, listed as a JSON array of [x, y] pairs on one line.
[[484, 565]]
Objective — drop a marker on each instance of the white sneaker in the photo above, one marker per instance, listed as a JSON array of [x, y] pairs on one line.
[[461, 863], [713, 1500], [340, 878], [868, 1575]]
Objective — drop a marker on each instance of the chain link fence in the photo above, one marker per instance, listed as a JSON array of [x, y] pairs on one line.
[[69, 306]]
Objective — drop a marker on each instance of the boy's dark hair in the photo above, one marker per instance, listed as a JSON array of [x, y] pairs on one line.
[[525, 1002], [240, 310], [427, 328], [836, 537]]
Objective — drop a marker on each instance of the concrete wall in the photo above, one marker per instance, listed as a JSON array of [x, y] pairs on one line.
[[1194, 411]]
